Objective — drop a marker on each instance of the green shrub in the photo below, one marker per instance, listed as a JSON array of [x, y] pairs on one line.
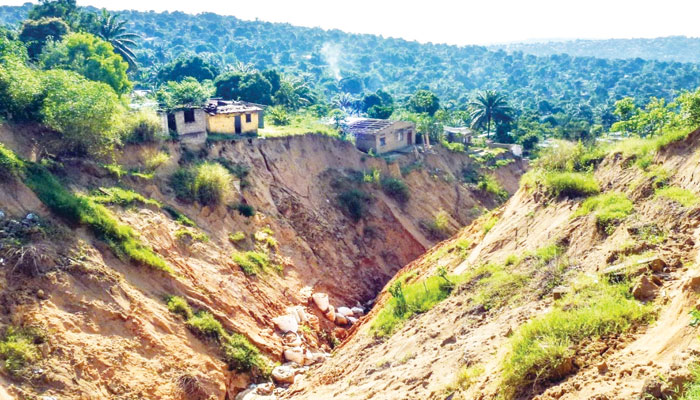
[[278, 115], [266, 239], [251, 262], [21, 90], [179, 306], [178, 216], [608, 208], [239, 170], [153, 160], [684, 197], [595, 308], [570, 184], [143, 126], [496, 286], [396, 189], [241, 355], [470, 175], [410, 299], [489, 222], [548, 253], [453, 147], [18, 348], [182, 183], [208, 183], [205, 325], [236, 237], [466, 377], [236, 349], [490, 184], [88, 114], [570, 157], [10, 165], [373, 176], [115, 170], [691, 389], [440, 225], [186, 235], [212, 183], [245, 210], [354, 202], [91, 57], [123, 241], [121, 197]]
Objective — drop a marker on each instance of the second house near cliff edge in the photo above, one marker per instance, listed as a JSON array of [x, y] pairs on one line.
[[381, 135]]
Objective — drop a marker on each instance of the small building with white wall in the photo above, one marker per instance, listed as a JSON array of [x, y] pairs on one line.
[[381, 135]]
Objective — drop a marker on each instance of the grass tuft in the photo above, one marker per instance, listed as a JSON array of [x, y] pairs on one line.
[[121, 197], [410, 299], [241, 355], [207, 183], [252, 262], [236, 237], [354, 202], [205, 325], [609, 209], [570, 184], [179, 306], [490, 184], [595, 308], [396, 189], [684, 197], [123, 241], [187, 235], [18, 348], [237, 351], [10, 165], [691, 390]]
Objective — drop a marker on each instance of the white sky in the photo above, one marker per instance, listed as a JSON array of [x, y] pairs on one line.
[[455, 21]]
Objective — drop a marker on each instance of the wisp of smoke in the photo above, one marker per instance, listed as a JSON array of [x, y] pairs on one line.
[[331, 53]]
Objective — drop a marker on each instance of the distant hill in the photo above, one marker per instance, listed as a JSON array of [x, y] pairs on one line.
[[671, 48], [334, 62]]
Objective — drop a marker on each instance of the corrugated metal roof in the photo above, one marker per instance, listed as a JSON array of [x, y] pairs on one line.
[[230, 107], [369, 126]]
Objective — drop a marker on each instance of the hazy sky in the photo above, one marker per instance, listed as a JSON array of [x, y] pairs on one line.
[[454, 21]]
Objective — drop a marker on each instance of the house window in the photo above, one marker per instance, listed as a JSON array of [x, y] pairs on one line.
[[382, 141], [399, 136], [189, 116], [248, 118]]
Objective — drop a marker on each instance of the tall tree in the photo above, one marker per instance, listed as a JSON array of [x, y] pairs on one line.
[[489, 106], [193, 66], [186, 93], [112, 28], [36, 33], [424, 101], [64, 9]]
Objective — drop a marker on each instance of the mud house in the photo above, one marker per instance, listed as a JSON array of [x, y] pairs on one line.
[[381, 135], [458, 134], [188, 123], [233, 117]]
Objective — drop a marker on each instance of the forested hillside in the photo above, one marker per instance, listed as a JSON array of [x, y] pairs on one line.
[[672, 48], [333, 62]]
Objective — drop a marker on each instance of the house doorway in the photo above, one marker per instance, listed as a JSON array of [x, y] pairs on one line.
[[237, 123], [172, 125], [410, 138]]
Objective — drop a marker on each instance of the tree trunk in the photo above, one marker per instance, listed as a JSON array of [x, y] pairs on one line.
[[488, 127]]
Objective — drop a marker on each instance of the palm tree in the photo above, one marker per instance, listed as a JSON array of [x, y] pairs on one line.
[[112, 28], [489, 106]]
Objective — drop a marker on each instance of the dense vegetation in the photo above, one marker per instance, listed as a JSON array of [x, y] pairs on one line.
[[672, 48], [566, 96]]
